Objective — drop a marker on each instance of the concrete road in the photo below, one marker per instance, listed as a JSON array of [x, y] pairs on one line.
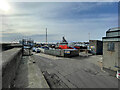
[[76, 72], [29, 75]]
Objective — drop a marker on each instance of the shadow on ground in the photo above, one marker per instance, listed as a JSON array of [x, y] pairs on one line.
[[21, 80]]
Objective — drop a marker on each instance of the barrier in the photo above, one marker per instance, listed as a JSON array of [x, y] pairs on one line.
[[10, 62], [62, 52], [54, 52]]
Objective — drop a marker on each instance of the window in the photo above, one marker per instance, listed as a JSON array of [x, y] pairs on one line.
[[111, 46]]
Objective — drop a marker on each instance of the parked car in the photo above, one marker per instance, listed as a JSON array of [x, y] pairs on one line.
[[37, 50], [33, 49], [45, 47], [118, 74], [26, 47]]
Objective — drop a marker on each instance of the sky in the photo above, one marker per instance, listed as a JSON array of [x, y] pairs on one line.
[[74, 20]]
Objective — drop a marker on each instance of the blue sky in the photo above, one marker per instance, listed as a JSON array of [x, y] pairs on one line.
[[74, 20]]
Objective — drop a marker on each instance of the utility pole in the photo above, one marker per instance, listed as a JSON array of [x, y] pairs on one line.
[[46, 35], [89, 35]]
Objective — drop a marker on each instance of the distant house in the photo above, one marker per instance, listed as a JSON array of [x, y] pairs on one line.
[[96, 46], [111, 49]]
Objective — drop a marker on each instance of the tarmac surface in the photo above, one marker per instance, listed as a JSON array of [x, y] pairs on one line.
[[76, 72], [46, 71]]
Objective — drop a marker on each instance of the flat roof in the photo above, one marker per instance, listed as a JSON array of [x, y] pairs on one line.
[[95, 40], [114, 29], [115, 38]]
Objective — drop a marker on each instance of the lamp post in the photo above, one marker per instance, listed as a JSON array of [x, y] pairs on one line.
[[89, 35], [46, 36]]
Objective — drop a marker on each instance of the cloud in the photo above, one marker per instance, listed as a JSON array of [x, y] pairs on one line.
[[16, 15], [62, 19], [15, 37], [64, 0], [42, 37]]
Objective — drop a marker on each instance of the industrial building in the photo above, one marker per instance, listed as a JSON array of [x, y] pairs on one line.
[[96, 46], [111, 49]]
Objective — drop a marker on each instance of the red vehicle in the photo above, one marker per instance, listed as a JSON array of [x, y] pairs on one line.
[[77, 47], [64, 46]]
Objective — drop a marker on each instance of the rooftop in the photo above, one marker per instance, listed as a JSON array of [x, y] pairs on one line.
[[114, 29], [112, 34]]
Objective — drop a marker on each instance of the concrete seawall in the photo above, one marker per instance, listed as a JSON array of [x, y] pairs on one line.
[[7, 46], [10, 62]]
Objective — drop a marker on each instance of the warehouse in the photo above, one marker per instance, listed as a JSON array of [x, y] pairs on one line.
[[111, 49], [96, 46]]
